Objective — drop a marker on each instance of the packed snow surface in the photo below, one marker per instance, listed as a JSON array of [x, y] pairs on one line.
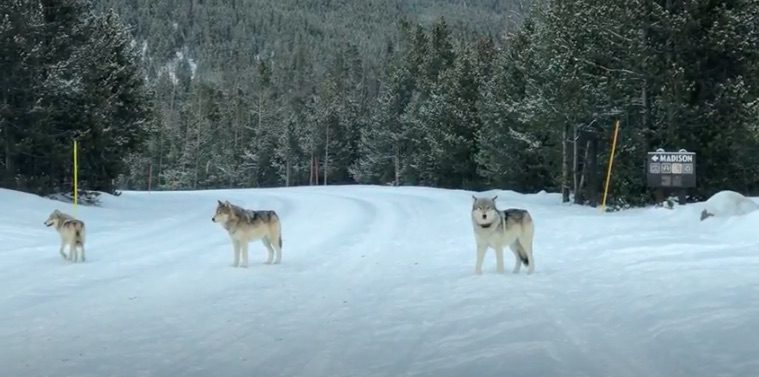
[[375, 281]]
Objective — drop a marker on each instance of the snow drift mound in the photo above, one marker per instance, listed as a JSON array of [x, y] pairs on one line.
[[728, 203]]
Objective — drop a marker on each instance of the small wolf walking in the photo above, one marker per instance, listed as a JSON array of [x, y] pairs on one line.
[[496, 229], [71, 231], [244, 226]]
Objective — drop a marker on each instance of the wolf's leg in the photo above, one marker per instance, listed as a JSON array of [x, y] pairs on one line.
[[499, 259], [526, 246], [78, 253], [480, 256], [73, 252], [244, 247], [66, 257], [278, 249], [81, 245], [517, 259], [267, 243], [236, 246]]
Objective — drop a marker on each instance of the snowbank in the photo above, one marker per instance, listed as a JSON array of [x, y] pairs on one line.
[[728, 203]]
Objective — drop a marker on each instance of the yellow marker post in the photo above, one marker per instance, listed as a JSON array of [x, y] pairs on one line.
[[611, 162], [76, 168]]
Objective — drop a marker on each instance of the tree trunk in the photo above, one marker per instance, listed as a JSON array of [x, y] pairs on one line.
[[326, 154], [287, 171], [311, 170], [593, 191], [238, 118], [645, 116], [648, 127], [197, 140], [260, 111], [565, 165], [575, 166], [397, 161], [8, 160], [581, 195], [673, 79], [5, 132], [316, 169], [197, 161]]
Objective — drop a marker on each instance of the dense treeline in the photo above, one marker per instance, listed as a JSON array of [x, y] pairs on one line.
[[677, 74], [269, 93], [462, 95]]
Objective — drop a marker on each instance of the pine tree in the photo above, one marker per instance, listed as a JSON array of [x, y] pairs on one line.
[[19, 84], [81, 80], [449, 121], [119, 103], [513, 150]]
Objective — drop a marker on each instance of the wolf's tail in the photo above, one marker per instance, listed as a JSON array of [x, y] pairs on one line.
[[524, 259], [278, 229], [522, 254], [79, 234]]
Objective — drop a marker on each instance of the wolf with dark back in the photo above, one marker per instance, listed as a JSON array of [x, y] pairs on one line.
[[496, 229], [71, 231], [245, 225]]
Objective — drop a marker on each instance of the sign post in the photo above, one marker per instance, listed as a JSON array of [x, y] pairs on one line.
[[611, 161], [671, 171]]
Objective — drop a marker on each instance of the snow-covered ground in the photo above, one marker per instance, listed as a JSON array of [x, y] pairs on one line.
[[375, 281]]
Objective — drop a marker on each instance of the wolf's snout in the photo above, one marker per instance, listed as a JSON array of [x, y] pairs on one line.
[[212, 219], [484, 216]]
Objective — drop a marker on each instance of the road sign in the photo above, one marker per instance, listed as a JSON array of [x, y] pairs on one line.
[[671, 169]]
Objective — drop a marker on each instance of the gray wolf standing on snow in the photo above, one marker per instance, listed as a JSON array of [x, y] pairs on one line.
[[244, 226], [497, 229], [71, 231]]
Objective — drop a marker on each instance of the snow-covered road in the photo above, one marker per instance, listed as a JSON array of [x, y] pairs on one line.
[[375, 281]]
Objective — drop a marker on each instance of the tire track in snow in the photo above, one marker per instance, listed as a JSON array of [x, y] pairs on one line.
[[377, 275], [339, 312]]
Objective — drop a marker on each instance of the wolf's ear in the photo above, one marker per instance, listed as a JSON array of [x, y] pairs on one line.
[[227, 203], [494, 198], [220, 203], [474, 197]]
